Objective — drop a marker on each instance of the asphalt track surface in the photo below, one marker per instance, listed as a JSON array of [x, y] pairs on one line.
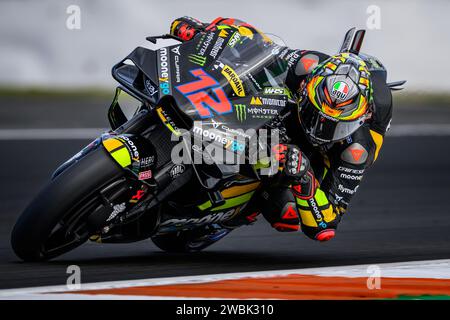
[[400, 213]]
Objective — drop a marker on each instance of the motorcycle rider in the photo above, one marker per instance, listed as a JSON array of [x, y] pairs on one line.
[[345, 108]]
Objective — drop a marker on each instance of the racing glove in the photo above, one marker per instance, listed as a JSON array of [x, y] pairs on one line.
[[296, 170], [186, 28]]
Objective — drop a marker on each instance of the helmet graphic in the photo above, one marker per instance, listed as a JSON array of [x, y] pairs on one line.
[[336, 99]]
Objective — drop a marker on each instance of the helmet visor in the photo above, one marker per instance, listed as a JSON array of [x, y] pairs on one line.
[[323, 128]]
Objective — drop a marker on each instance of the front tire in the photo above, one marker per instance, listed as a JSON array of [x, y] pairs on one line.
[[55, 221]]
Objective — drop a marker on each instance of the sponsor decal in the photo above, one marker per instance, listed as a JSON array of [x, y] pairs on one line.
[[347, 190], [236, 132], [223, 33], [132, 147], [292, 57], [197, 59], [275, 91], [168, 120], [315, 209], [215, 123], [147, 162], [198, 92], [233, 79], [349, 170], [273, 102], [241, 112], [176, 60], [176, 50], [208, 219], [217, 47], [258, 112], [355, 154], [145, 175], [350, 177], [138, 196], [118, 208], [261, 112], [218, 137], [309, 63], [256, 101], [234, 39], [211, 135], [204, 44], [151, 89], [176, 171], [340, 90], [164, 72]]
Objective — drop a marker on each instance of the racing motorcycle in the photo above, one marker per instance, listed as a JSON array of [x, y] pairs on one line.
[[125, 185]]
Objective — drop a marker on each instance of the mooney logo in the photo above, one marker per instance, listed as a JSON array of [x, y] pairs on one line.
[[164, 72], [197, 59], [211, 218], [241, 112]]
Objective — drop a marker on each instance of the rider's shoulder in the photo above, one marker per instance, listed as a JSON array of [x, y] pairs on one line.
[[360, 148], [307, 60]]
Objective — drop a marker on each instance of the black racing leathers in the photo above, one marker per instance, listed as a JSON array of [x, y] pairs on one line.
[[319, 199]]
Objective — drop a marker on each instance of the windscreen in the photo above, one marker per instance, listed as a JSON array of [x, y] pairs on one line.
[[228, 77]]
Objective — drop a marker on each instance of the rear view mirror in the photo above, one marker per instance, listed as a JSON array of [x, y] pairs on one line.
[[123, 108]]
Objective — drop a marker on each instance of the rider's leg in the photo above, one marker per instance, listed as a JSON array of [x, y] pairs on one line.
[[282, 210]]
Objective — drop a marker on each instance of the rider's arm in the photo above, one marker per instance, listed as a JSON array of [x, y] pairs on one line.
[[186, 28], [322, 196], [319, 216]]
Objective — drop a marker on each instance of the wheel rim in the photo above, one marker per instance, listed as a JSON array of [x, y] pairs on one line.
[[71, 231]]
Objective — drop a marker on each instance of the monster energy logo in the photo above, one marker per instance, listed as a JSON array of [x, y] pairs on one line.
[[241, 112], [197, 59]]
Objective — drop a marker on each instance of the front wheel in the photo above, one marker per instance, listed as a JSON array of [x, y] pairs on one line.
[[55, 222]]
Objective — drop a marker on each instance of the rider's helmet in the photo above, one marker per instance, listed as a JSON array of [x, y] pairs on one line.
[[336, 100]]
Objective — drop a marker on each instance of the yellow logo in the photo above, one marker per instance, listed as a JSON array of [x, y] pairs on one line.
[[256, 101], [246, 32], [223, 33], [234, 80]]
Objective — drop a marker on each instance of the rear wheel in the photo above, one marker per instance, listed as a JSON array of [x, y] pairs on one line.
[[55, 222]]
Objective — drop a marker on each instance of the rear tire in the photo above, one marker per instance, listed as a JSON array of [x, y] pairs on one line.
[[71, 192]]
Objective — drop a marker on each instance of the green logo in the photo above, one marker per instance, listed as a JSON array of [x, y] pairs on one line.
[[241, 112], [197, 59]]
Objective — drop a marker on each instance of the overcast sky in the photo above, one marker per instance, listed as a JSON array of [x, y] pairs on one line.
[[36, 47]]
